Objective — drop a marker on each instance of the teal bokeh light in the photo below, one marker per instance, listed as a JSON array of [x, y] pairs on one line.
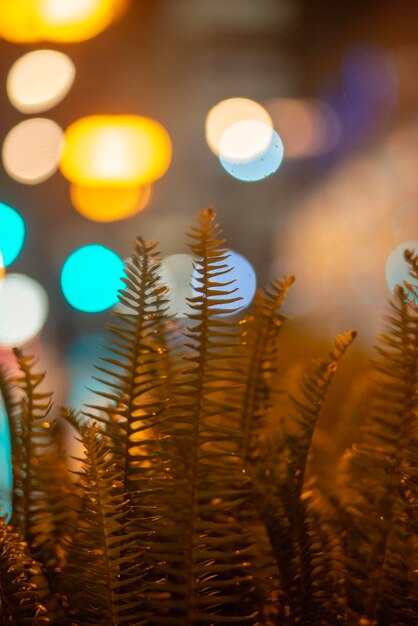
[[12, 234], [5, 464], [91, 278]]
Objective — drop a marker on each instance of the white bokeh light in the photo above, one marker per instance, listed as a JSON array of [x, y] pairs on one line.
[[23, 310], [31, 150], [39, 80]]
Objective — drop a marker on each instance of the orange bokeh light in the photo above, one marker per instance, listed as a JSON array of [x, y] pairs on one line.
[[61, 21], [115, 151], [104, 204]]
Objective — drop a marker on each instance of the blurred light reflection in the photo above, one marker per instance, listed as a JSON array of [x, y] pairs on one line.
[[39, 80], [109, 204], [229, 112], [91, 277], [115, 151], [397, 269], [23, 310], [31, 150], [12, 235]]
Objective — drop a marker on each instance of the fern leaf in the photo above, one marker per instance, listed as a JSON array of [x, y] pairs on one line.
[[201, 539], [103, 539], [262, 330], [381, 547], [21, 599]]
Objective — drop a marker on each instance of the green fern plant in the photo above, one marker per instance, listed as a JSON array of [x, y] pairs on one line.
[[196, 499]]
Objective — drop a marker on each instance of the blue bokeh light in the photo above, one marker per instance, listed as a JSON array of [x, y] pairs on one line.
[[262, 166], [243, 273], [91, 278], [12, 234], [5, 465]]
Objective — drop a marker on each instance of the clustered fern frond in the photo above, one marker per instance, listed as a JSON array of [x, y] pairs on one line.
[[187, 508]]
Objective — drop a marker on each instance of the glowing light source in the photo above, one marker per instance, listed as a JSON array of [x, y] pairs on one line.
[[91, 278], [108, 204], [39, 80], [5, 464], [32, 149], [243, 273], [397, 269], [176, 272], [29, 21], [229, 112], [260, 166], [12, 235], [23, 309], [307, 128], [115, 151]]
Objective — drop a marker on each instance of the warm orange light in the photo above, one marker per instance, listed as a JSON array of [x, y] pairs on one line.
[[18, 21], [66, 21], [104, 204], [115, 151]]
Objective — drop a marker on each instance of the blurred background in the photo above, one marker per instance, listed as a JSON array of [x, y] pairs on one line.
[[314, 173]]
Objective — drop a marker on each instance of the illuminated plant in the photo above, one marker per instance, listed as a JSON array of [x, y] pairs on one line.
[[187, 508]]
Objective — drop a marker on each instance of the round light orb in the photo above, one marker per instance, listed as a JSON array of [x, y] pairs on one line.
[[115, 151], [2, 270], [258, 168], [60, 21], [23, 310], [242, 272], [12, 235], [6, 478], [397, 269], [39, 80], [91, 278], [69, 21], [176, 273], [231, 111], [109, 204], [18, 21], [245, 141], [31, 150]]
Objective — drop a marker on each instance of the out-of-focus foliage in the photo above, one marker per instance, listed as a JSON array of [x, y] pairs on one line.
[[201, 497]]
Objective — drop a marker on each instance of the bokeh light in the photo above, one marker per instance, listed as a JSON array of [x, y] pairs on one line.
[[31, 150], [39, 80], [245, 140], [243, 273], [115, 151], [176, 273], [229, 112], [91, 277], [23, 310], [2, 270], [5, 464], [61, 21], [258, 168], [109, 204], [307, 128], [397, 269], [12, 235]]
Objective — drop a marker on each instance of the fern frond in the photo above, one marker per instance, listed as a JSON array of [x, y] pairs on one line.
[[136, 371], [381, 547], [21, 598], [262, 329], [105, 545], [302, 544], [201, 539]]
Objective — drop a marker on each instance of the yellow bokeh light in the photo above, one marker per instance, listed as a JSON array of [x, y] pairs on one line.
[[104, 204], [115, 151], [18, 21], [39, 80], [31, 150], [65, 21], [229, 112]]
